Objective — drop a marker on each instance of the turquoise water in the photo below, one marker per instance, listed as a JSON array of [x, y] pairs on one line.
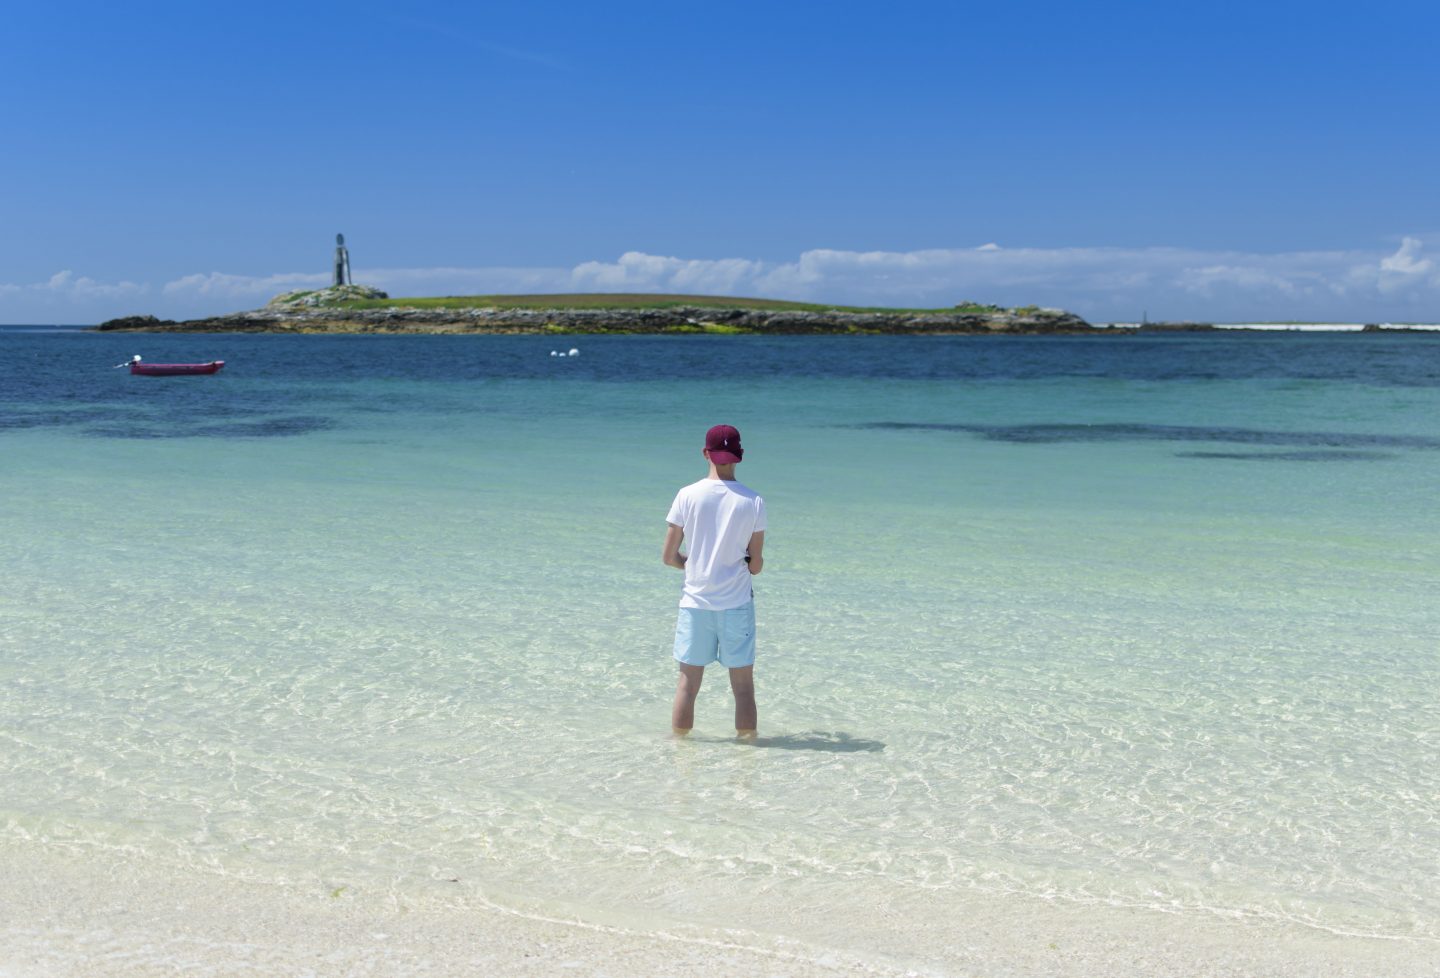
[[1141, 622]]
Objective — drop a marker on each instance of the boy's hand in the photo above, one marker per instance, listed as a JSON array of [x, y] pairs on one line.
[[670, 553]]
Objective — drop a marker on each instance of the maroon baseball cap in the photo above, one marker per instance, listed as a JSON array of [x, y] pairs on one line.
[[723, 444]]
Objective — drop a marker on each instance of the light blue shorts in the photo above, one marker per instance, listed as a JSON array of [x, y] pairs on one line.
[[703, 637]]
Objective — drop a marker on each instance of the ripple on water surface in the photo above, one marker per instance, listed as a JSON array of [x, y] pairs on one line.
[[389, 649]]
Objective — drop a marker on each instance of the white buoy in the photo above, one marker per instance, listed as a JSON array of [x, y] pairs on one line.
[[574, 352], [554, 353]]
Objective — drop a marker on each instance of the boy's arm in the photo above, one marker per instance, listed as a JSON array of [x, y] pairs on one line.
[[756, 551], [671, 554]]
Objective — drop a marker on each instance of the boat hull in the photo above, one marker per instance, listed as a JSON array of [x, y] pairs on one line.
[[175, 369]]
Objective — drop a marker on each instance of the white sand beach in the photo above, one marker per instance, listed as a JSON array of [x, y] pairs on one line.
[[78, 918]]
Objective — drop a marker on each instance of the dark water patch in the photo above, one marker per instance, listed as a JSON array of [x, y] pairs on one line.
[[1047, 434], [132, 431], [15, 421], [1319, 455], [269, 428]]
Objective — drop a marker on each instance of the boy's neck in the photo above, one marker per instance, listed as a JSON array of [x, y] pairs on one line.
[[725, 472]]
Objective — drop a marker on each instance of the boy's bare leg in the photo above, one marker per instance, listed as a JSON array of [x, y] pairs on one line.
[[682, 714], [742, 684]]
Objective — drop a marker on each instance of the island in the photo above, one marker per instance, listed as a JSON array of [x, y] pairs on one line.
[[361, 309]]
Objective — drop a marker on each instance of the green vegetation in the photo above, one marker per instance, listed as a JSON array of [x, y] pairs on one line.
[[629, 300]]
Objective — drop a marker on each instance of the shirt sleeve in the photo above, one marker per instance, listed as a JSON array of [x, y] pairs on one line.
[[759, 514], [676, 516]]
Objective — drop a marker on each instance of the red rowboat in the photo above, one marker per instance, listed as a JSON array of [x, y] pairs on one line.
[[175, 369]]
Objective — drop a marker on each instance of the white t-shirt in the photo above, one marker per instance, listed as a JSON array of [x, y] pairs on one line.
[[718, 518]]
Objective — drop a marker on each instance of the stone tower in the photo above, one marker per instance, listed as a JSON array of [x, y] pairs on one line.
[[342, 262]]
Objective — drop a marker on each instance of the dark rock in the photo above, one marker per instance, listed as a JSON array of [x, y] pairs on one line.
[[140, 323]]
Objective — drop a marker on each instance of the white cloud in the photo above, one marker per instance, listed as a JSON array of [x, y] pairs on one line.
[[1206, 281], [1405, 270], [639, 272], [1100, 283], [68, 284], [220, 284], [467, 281], [1405, 260], [67, 297]]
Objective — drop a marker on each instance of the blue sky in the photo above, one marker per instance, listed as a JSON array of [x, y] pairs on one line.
[[1213, 160]]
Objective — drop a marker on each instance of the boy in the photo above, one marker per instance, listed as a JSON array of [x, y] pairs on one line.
[[725, 523]]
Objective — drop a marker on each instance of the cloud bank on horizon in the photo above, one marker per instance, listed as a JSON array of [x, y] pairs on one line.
[[1102, 284]]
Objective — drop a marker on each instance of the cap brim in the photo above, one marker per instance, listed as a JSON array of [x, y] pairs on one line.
[[723, 458]]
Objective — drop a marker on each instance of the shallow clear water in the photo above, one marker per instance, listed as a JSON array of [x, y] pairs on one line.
[[1138, 621]]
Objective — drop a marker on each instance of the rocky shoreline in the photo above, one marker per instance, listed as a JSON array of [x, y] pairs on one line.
[[677, 320]]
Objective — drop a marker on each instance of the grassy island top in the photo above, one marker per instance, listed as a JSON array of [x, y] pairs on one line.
[[631, 300]]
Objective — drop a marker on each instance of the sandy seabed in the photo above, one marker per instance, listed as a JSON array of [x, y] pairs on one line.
[[63, 916]]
